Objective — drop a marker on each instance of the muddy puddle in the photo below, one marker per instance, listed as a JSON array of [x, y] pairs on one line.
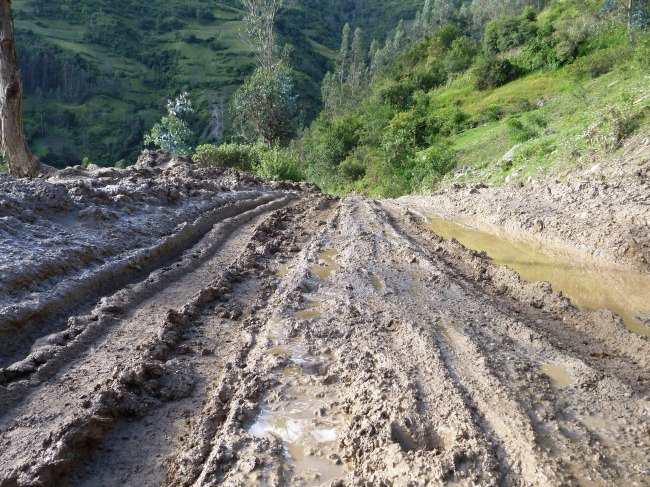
[[282, 272], [377, 283], [588, 283], [558, 375], [325, 271], [305, 419]]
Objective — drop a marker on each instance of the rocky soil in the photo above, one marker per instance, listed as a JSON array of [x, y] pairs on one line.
[[171, 325]]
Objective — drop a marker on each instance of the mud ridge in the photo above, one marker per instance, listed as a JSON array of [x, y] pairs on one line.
[[83, 330]]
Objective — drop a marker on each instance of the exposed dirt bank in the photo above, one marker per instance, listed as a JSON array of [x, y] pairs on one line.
[[302, 340], [603, 210]]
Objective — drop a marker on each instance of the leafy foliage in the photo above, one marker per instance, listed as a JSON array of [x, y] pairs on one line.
[[279, 165], [266, 107], [492, 72], [173, 133], [239, 156]]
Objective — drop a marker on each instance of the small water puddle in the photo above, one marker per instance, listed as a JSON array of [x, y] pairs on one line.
[[306, 419], [325, 271], [282, 272], [377, 283], [558, 375], [308, 314], [588, 283]]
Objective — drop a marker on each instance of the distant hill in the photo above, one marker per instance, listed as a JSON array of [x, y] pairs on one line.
[[97, 72]]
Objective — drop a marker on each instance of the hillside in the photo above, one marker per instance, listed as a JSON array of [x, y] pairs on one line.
[[97, 73], [540, 93]]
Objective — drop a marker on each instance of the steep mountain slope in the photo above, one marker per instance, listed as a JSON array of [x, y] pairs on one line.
[[97, 73]]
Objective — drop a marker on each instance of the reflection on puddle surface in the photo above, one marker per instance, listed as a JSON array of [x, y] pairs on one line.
[[309, 440], [377, 283], [325, 271], [305, 420], [310, 311], [308, 314], [599, 426], [559, 375], [588, 283]]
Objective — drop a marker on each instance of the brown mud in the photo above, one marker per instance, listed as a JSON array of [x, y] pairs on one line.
[[303, 340]]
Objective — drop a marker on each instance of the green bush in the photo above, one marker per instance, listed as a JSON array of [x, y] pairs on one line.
[[642, 50], [492, 113], [447, 121], [520, 131], [461, 55], [279, 165], [596, 64], [239, 156], [430, 76], [352, 169], [431, 164], [396, 93], [492, 72], [509, 32], [400, 138], [447, 34]]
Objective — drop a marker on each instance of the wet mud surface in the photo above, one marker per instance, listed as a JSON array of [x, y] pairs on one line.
[[303, 340]]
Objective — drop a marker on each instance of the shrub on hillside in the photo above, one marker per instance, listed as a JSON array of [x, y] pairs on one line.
[[509, 32], [352, 169], [520, 131], [492, 72], [492, 113], [447, 121], [396, 93], [461, 55], [447, 34], [279, 165], [239, 156], [596, 64], [430, 76], [431, 164], [400, 138]]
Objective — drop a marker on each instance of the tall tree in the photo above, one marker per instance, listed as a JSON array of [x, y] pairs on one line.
[[357, 79], [265, 106], [259, 30], [22, 162], [342, 61]]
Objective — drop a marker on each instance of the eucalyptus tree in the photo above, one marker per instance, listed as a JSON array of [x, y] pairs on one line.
[[265, 107]]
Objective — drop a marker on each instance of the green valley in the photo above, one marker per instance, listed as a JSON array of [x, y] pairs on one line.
[[97, 73]]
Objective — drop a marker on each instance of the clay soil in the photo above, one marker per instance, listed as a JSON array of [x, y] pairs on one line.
[[170, 325]]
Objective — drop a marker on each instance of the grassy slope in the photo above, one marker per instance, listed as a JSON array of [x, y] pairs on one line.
[[569, 108], [558, 106]]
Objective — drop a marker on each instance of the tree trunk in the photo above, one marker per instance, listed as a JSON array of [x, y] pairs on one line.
[[12, 138]]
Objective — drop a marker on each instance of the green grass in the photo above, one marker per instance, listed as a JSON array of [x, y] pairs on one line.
[[570, 108]]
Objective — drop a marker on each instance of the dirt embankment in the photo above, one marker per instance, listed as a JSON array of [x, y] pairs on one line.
[[303, 340], [602, 210]]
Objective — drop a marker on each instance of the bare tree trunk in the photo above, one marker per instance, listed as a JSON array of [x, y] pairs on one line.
[[12, 138]]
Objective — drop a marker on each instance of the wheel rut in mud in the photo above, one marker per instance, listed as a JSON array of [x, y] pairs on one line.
[[314, 341]]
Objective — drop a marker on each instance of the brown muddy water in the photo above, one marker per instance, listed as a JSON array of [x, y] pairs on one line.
[[325, 271], [304, 419], [589, 284], [558, 375]]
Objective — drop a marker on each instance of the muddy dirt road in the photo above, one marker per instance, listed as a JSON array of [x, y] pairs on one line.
[[301, 340]]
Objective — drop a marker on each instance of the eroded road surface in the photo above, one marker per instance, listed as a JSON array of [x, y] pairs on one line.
[[297, 339]]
